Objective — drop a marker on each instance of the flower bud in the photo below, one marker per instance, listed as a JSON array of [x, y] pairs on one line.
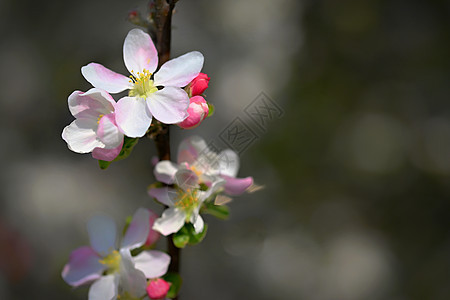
[[153, 235], [199, 84], [198, 110], [157, 288]]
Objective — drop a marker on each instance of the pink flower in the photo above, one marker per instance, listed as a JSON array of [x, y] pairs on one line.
[[94, 129], [157, 288], [153, 235], [198, 111], [199, 84], [151, 94]]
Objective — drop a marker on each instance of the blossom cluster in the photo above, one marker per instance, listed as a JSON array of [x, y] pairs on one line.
[[171, 95]]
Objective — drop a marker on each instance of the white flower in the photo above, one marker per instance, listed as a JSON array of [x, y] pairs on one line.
[[94, 129], [168, 105], [114, 272], [209, 166], [184, 203]]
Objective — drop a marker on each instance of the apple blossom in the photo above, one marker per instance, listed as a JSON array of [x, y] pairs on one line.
[[194, 154], [184, 202], [199, 84], [157, 288], [198, 111], [114, 272], [94, 129], [159, 95]]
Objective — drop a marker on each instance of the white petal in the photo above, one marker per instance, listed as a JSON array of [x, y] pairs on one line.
[[104, 288], [180, 71], [132, 280], [108, 132], [132, 116], [165, 171], [169, 105], [186, 179], [102, 234], [81, 136], [152, 263], [103, 78], [189, 149], [139, 52], [228, 163], [162, 195], [198, 223], [138, 230], [171, 221], [91, 104]]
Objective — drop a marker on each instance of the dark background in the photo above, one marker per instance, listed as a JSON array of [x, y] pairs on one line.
[[356, 170]]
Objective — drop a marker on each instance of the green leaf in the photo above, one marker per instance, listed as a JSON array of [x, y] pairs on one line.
[[127, 148], [211, 109], [219, 211], [176, 281], [181, 238], [195, 238], [186, 235]]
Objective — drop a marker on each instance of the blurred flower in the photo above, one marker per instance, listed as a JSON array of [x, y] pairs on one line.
[[157, 288], [198, 111], [109, 268], [184, 203], [94, 129], [153, 235], [209, 166], [199, 84], [168, 105]]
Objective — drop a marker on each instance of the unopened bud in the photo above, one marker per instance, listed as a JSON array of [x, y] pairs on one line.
[[157, 288]]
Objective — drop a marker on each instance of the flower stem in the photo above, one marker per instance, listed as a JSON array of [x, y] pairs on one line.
[[162, 22]]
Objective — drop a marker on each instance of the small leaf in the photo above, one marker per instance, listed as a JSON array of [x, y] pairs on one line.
[[219, 211], [175, 284], [181, 238], [211, 109], [127, 148]]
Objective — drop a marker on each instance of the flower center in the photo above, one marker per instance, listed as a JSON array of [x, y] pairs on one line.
[[142, 84], [187, 201], [99, 117], [112, 262]]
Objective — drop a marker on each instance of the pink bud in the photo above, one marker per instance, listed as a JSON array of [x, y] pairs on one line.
[[198, 110], [157, 288], [153, 235], [199, 84]]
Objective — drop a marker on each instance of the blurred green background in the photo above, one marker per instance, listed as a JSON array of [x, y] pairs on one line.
[[356, 171]]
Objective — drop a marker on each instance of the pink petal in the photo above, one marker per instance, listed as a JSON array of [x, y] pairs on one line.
[[139, 52], [132, 116], [152, 263], [190, 148], [180, 71], [90, 104], [153, 235], [103, 78], [107, 154], [157, 288], [236, 186], [108, 132], [165, 171], [83, 267], [198, 110], [169, 105], [138, 230]]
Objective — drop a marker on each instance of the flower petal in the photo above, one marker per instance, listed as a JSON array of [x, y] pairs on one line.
[[190, 148], [228, 163], [132, 116], [186, 179], [103, 78], [83, 267], [161, 194], [169, 105], [171, 221], [102, 234], [108, 132], [90, 104], [139, 52], [132, 280], [138, 230], [165, 171], [197, 222], [152, 263], [107, 154], [81, 137], [180, 71], [105, 288], [236, 186]]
